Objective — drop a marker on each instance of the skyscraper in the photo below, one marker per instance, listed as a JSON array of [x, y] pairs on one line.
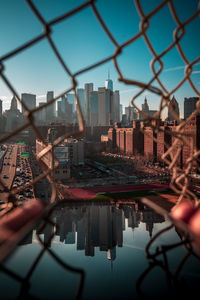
[[189, 106], [88, 90], [51, 109], [81, 96], [59, 110], [1, 108], [41, 113], [146, 110], [145, 106], [70, 98], [65, 113], [14, 118], [175, 107], [116, 99], [29, 100], [109, 83], [94, 108], [131, 113], [104, 100], [121, 111]]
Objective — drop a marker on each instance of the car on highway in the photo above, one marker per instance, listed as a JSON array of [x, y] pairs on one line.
[[5, 176]]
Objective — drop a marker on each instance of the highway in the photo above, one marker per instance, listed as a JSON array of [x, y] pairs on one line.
[[8, 169], [16, 174]]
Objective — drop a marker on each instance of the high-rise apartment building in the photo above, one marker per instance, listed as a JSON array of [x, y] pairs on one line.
[[88, 90], [189, 106], [29, 100], [51, 109]]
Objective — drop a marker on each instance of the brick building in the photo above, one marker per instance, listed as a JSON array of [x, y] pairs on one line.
[[128, 140], [150, 146], [163, 139], [193, 139], [140, 140]]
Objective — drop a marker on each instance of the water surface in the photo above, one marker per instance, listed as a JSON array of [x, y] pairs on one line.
[[108, 243]]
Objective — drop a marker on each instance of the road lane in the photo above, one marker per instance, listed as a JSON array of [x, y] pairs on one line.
[[8, 169]]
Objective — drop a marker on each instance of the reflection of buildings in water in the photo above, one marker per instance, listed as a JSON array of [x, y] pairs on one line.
[[150, 217], [47, 233], [132, 214], [97, 226]]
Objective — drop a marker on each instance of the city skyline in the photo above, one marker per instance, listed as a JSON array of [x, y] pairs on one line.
[[91, 44], [41, 99]]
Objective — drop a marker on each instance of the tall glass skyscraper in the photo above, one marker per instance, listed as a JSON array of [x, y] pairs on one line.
[[109, 83]]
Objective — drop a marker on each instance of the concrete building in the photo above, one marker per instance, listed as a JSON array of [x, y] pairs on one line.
[[51, 109], [131, 113], [120, 112], [59, 110], [75, 150], [146, 110], [41, 114], [88, 90], [1, 108], [124, 120], [2, 119], [189, 106], [104, 106], [64, 110], [71, 100], [94, 109], [14, 118], [81, 96], [29, 100], [115, 107], [175, 107], [61, 154]]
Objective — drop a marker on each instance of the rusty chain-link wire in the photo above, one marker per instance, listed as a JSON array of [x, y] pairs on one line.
[[179, 180]]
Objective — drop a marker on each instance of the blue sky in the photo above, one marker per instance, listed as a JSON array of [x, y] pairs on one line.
[[81, 42]]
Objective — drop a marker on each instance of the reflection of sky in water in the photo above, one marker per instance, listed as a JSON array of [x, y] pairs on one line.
[[105, 278]]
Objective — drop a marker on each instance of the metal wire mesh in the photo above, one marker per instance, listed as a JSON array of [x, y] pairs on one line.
[[179, 180]]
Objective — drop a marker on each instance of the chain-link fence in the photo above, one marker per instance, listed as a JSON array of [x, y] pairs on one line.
[[180, 176]]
